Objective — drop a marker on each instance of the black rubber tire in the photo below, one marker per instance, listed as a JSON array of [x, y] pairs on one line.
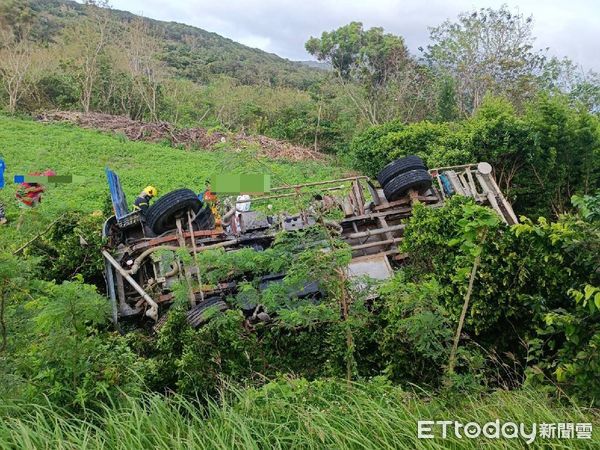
[[309, 289], [399, 166], [161, 216], [419, 180], [197, 316]]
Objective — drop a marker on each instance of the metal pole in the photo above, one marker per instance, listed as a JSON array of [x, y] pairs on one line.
[[186, 273], [318, 183], [191, 227], [293, 194], [377, 231], [110, 280], [375, 244], [153, 310], [463, 166]]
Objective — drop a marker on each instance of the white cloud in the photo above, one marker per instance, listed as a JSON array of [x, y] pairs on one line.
[[568, 28]]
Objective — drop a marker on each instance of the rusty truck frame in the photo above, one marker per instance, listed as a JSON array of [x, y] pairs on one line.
[[139, 285]]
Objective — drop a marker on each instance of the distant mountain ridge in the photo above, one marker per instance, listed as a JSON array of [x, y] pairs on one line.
[[197, 54]]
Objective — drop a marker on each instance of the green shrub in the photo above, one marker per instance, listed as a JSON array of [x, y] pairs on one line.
[[368, 152], [417, 333], [66, 358], [439, 144], [566, 348], [522, 290], [59, 90], [71, 247], [222, 350]]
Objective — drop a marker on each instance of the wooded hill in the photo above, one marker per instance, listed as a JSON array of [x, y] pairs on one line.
[[192, 52]]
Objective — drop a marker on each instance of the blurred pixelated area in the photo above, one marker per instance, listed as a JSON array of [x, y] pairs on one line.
[[46, 177], [240, 184]]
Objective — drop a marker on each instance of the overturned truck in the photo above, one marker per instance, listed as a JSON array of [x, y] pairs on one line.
[[139, 284]]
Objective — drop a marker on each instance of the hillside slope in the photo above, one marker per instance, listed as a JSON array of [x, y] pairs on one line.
[[29, 146], [193, 53]]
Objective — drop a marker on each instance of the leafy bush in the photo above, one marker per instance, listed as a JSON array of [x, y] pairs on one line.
[[497, 135], [566, 348], [575, 336], [439, 144], [368, 152], [67, 359], [588, 206], [220, 351], [417, 335], [522, 296], [59, 91], [71, 247], [540, 158]]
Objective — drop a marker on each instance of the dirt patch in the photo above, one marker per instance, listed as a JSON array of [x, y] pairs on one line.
[[188, 137]]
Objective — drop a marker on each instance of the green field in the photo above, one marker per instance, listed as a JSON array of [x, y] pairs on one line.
[[28, 146]]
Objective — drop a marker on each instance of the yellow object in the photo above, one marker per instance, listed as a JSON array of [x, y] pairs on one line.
[[151, 191]]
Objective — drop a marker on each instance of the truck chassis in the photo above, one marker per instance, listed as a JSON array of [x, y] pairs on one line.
[[139, 286]]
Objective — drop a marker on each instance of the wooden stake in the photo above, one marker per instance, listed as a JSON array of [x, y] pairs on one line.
[[463, 314], [191, 296], [193, 239]]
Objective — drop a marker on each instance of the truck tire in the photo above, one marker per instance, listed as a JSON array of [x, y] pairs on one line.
[[204, 219], [418, 179], [399, 166], [162, 215], [202, 312]]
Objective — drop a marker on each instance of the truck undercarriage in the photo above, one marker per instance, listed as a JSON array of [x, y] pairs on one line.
[[139, 283]]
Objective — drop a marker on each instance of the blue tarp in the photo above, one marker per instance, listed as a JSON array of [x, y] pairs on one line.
[[116, 194], [2, 168], [446, 184]]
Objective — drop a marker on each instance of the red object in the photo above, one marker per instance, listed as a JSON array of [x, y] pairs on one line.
[[209, 196], [30, 194]]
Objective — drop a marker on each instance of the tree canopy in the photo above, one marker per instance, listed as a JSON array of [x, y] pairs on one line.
[[486, 51]]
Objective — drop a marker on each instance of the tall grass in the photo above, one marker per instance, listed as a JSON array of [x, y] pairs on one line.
[[298, 414]]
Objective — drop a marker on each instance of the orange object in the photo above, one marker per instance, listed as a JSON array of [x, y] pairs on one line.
[[209, 196]]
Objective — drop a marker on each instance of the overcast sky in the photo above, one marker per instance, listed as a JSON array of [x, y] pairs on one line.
[[569, 27]]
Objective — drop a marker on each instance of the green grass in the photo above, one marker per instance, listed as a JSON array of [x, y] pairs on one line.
[[297, 414], [28, 146]]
